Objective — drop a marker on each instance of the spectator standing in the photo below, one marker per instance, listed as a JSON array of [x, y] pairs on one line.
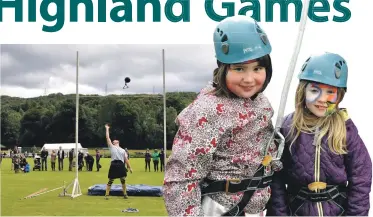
[[98, 157], [161, 158], [71, 158], [148, 158], [44, 155], [53, 160], [89, 162], [61, 156], [155, 157]]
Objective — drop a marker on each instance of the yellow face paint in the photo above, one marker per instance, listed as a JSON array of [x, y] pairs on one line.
[[321, 99]]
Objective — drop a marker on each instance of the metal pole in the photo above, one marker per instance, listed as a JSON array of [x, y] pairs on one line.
[[77, 114], [164, 110]]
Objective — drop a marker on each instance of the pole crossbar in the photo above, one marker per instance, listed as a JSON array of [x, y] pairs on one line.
[[44, 191]]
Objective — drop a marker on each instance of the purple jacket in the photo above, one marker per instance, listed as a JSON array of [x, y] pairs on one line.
[[355, 168]]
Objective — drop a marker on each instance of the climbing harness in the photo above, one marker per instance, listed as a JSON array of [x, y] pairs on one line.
[[301, 194], [316, 192], [260, 180], [248, 186]]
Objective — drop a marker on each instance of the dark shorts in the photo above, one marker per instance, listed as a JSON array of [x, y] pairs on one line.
[[117, 170]]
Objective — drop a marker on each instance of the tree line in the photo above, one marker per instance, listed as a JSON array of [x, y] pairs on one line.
[[135, 120]]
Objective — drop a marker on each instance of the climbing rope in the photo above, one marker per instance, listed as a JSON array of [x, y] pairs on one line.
[[277, 135]]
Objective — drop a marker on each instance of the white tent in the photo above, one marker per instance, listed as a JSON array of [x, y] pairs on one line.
[[65, 146]]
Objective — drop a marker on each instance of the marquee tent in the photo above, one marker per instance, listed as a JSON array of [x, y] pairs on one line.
[[65, 146]]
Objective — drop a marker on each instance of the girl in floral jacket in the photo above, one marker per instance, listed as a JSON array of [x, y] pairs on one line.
[[327, 168], [224, 133]]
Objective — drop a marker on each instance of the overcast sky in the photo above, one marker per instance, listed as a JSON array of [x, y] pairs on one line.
[[27, 70]]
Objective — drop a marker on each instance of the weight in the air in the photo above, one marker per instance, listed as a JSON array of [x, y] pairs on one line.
[[126, 80]]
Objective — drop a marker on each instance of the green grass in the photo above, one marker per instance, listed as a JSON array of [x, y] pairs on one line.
[[14, 187]]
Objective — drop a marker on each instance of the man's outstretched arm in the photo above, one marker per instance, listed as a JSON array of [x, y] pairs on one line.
[[108, 140]]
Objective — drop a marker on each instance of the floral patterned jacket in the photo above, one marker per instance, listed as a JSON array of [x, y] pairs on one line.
[[218, 138]]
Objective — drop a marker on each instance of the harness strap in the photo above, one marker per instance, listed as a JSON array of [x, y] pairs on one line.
[[248, 186], [236, 185], [334, 193], [238, 209]]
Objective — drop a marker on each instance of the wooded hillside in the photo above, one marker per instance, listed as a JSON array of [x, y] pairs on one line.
[[136, 120]]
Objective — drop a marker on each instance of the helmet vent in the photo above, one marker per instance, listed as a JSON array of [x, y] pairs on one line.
[[225, 48], [305, 64], [218, 30], [338, 65], [263, 36], [224, 38], [337, 70], [264, 39], [258, 29], [304, 67]]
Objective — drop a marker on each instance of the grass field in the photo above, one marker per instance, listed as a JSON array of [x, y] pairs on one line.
[[14, 187]]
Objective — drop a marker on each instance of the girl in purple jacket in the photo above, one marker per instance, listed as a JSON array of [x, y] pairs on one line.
[[327, 168]]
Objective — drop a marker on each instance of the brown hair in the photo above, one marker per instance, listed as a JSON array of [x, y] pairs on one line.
[[219, 82]]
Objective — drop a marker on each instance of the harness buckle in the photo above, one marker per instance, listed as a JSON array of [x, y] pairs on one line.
[[333, 193], [228, 181], [267, 160], [256, 185], [314, 186]]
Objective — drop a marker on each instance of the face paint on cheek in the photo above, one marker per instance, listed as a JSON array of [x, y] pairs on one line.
[[330, 91], [332, 105], [333, 97], [331, 108], [312, 93]]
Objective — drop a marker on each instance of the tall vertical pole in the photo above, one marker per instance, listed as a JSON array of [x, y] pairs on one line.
[[164, 110], [77, 113]]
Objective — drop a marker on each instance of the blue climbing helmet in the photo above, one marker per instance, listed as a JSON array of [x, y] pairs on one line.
[[327, 68], [239, 39]]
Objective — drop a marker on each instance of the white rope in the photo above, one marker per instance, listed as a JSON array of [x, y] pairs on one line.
[[289, 76], [293, 62]]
